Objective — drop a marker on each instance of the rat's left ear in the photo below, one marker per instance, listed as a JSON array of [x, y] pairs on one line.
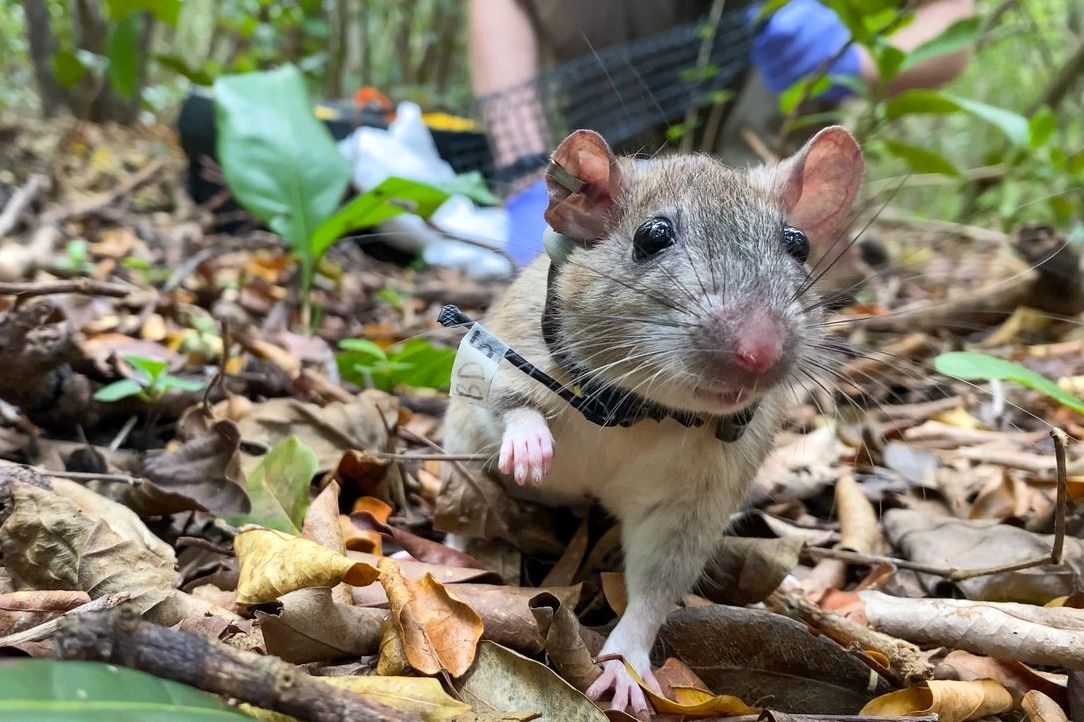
[[818, 184], [587, 164]]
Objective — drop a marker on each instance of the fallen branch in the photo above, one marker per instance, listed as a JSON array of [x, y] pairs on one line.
[[20, 201], [121, 637], [83, 286]]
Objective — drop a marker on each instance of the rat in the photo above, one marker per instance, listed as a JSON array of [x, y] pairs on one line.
[[685, 288]]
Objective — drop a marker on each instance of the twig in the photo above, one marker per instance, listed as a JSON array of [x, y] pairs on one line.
[[431, 457], [201, 543], [121, 637], [702, 56], [102, 200], [19, 202], [91, 476], [84, 286], [49, 628], [955, 574], [470, 241]]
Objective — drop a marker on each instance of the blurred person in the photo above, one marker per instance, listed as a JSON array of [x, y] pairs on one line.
[[513, 41]]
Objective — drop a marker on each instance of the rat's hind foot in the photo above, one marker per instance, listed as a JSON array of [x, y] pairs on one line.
[[527, 447], [624, 693]]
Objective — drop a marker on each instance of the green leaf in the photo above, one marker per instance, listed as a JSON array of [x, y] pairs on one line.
[[152, 367], [178, 383], [389, 199], [177, 64], [954, 38], [802, 90], [279, 487], [1074, 164], [473, 186], [1041, 127], [980, 367], [164, 10], [934, 102], [280, 162], [921, 160], [118, 390], [363, 346], [68, 69], [47, 690], [889, 60], [420, 364], [122, 51]]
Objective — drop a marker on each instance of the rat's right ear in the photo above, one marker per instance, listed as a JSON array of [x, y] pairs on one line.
[[583, 186]]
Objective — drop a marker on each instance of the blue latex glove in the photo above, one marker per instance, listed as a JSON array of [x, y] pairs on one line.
[[796, 40], [525, 222]]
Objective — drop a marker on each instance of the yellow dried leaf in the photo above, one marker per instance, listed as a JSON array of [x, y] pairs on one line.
[[952, 701], [1040, 708], [274, 563], [693, 702], [960, 418], [438, 632], [420, 696]]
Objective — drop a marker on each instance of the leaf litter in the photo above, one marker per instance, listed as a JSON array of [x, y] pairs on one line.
[[913, 553]]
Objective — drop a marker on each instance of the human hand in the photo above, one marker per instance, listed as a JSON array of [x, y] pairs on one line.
[[796, 40], [525, 222]]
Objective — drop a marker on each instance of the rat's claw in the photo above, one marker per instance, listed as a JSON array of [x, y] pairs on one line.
[[625, 694], [527, 447]]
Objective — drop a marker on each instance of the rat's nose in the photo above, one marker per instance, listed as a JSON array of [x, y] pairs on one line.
[[758, 342]]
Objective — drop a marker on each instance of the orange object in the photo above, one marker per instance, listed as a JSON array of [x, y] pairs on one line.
[[370, 97]]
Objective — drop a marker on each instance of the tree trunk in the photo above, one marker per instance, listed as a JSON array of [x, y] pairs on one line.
[[42, 49]]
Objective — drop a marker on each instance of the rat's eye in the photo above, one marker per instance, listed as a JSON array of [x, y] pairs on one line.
[[795, 243], [652, 236]]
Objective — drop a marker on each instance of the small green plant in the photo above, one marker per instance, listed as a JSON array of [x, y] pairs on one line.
[[75, 260], [151, 385], [415, 363], [282, 165], [971, 366]]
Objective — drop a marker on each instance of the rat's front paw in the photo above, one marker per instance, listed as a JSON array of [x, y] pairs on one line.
[[527, 447], [624, 693]]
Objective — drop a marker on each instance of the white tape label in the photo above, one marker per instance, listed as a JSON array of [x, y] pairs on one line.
[[476, 362]]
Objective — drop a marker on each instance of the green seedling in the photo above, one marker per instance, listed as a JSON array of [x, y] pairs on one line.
[[76, 258], [970, 366], [415, 363], [150, 385]]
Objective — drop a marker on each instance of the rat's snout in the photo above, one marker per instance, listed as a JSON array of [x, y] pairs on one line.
[[758, 342]]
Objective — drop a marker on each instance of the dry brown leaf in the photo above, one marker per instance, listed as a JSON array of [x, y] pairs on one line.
[[745, 570], [364, 472], [564, 644], [948, 542], [321, 522], [503, 681], [309, 626], [120, 518], [204, 474], [274, 563], [799, 469], [420, 548], [857, 517], [613, 588], [1027, 633], [374, 595], [950, 701], [23, 610], [421, 697], [365, 540], [692, 702], [564, 571], [438, 632], [1016, 677], [1040, 708], [393, 659], [1003, 497]]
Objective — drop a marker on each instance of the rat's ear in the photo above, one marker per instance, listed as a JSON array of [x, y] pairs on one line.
[[588, 163], [818, 183]]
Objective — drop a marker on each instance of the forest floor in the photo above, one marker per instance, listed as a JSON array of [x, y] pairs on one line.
[[906, 553]]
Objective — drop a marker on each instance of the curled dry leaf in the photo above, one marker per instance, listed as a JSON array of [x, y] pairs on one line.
[[950, 701], [203, 474], [362, 471], [274, 563], [321, 523], [1040, 708], [755, 655], [1030, 634], [421, 697], [374, 594], [1014, 676], [857, 517], [438, 632], [692, 702], [503, 681], [309, 626], [613, 588], [365, 540], [422, 549], [948, 542], [564, 644], [120, 518], [23, 610]]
